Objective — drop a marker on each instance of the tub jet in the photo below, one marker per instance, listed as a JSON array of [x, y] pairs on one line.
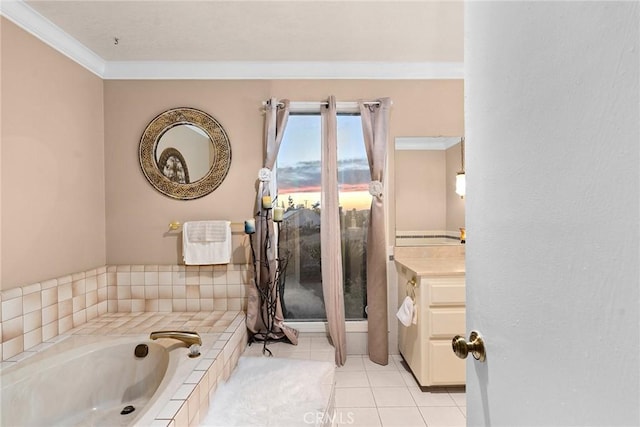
[[141, 350], [127, 410]]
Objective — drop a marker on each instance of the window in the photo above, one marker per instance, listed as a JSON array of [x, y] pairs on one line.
[[298, 181]]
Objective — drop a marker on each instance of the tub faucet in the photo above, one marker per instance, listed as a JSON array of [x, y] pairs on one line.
[[191, 339]]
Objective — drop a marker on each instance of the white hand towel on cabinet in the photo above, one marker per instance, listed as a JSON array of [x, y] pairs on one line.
[[206, 242], [405, 312]]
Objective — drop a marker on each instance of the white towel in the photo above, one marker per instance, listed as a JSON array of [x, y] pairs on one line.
[[405, 312], [206, 242]]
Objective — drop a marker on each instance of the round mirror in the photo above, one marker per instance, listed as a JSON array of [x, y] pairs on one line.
[[185, 153]]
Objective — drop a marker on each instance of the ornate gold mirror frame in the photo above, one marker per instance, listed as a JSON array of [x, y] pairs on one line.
[[219, 166]]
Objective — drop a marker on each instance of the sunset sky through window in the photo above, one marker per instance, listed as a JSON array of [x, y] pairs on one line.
[[298, 166]]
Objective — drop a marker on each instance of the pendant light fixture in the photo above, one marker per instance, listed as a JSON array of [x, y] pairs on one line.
[[460, 176]]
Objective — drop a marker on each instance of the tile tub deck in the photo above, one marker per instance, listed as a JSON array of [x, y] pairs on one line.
[[224, 338]]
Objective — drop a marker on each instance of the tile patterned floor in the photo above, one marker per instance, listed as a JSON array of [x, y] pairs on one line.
[[369, 395]]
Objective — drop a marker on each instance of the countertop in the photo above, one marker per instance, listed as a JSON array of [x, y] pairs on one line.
[[432, 262]]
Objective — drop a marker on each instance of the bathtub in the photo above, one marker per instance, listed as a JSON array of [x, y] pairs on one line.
[[89, 380]]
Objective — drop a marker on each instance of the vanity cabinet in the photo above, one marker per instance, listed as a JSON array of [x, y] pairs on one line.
[[439, 296]]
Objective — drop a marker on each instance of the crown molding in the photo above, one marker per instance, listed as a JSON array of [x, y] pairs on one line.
[[172, 70], [31, 21], [426, 142]]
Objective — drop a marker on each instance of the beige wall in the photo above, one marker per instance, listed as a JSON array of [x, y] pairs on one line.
[[421, 190], [138, 215], [53, 217], [84, 201]]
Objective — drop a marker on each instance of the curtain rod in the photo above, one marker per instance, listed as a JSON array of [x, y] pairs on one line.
[[319, 103]]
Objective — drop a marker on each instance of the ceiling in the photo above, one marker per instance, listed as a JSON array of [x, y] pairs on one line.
[[412, 33]]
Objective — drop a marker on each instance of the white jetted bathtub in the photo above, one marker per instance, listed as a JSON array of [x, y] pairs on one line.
[[91, 381]]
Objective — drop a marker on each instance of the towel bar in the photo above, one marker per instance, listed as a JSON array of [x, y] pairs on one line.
[[175, 225], [411, 288]]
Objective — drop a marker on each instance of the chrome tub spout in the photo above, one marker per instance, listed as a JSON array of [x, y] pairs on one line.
[[191, 339]]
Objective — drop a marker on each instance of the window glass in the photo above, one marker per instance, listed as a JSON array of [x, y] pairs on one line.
[[299, 185]]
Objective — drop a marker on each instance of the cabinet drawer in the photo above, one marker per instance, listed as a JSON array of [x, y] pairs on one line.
[[448, 291], [446, 322], [444, 367]]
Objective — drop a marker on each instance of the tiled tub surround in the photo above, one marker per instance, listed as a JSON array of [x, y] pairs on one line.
[[37, 313], [186, 402]]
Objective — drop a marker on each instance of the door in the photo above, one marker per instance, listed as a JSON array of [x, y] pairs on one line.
[[552, 117]]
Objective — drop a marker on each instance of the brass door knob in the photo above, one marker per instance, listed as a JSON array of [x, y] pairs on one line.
[[475, 346]]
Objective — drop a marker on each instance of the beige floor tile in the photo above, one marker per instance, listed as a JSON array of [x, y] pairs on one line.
[[392, 397], [351, 379], [458, 396], [372, 366], [320, 344], [444, 416], [357, 417], [427, 398], [401, 417], [324, 356], [409, 379], [353, 363], [354, 397], [385, 379]]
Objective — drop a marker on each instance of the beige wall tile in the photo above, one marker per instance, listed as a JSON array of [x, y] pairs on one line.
[[220, 291], [206, 304], [220, 304], [151, 292], [65, 308], [220, 276], [29, 289], [79, 303], [33, 338], [12, 347], [123, 278], [11, 308], [32, 321], [193, 304], [179, 291], [91, 298], [12, 328], [137, 305], [151, 277], [49, 297], [92, 312], [179, 278], [137, 277], [165, 278], [48, 284], [78, 287], [206, 291], [49, 330], [206, 277], [193, 291], [49, 314], [91, 283], [151, 305], [65, 324], [193, 277], [165, 292], [165, 305], [137, 292], [65, 291]]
